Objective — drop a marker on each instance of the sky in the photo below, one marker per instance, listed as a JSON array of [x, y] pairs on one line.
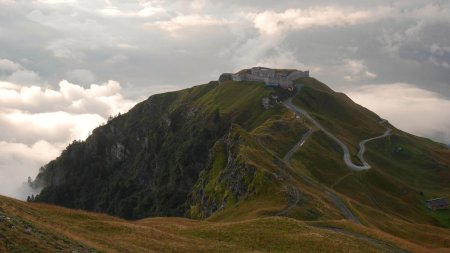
[[66, 66]]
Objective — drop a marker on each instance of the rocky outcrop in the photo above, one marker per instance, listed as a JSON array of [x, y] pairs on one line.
[[227, 179]]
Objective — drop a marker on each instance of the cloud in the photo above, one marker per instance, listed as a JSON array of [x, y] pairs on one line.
[[9, 66], [180, 22], [36, 123], [355, 70], [50, 126], [145, 9], [16, 73], [408, 107], [57, 1], [115, 59], [394, 40], [19, 161], [440, 55], [7, 1], [271, 23], [104, 99], [82, 76], [145, 12]]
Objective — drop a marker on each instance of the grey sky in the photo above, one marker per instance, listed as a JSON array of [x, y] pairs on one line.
[[391, 56]]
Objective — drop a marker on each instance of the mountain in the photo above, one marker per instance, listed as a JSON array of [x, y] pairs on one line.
[[241, 150]]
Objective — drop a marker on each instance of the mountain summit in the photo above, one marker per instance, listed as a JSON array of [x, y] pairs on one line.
[[258, 143]]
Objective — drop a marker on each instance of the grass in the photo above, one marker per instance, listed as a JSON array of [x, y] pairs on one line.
[[79, 230], [349, 121]]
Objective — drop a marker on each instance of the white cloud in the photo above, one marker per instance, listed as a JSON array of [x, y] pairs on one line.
[[16, 159], [147, 11], [409, 108], [54, 127], [355, 70], [7, 2], [37, 123], [56, 1], [180, 22], [272, 23], [198, 5], [104, 99]]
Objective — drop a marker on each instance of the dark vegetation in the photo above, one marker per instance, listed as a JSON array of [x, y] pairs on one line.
[[146, 162]]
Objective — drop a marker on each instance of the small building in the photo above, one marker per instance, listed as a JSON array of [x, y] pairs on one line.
[[437, 204], [265, 102]]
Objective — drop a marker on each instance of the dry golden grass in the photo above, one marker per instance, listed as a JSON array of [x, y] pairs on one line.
[[83, 230]]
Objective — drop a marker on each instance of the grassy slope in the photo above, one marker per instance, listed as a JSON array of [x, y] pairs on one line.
[[383, 190], [406, 169], [349, 121], [79, 230]]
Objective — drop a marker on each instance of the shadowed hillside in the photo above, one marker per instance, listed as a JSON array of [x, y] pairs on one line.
[[43, 228]]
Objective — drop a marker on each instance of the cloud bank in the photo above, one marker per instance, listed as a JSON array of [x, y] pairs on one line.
[[409, 108], [36, 123]]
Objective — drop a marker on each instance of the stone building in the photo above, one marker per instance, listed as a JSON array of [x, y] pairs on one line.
[[437, 204], [272, 77]]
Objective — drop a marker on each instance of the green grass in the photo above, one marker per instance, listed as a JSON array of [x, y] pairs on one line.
[[349, 121], [442, 216]]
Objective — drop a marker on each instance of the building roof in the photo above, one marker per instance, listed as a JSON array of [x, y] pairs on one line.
[[438, 201]]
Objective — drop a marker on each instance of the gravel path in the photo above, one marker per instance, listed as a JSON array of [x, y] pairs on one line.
[[379, 244], [288, 156], [342, 207], [294, 193], [294, 198]]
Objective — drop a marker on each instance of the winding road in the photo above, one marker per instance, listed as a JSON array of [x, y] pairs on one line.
[[342, 207], [346, 157], [294, 193], [348, 161]]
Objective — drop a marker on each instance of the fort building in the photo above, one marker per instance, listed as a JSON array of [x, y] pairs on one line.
[[271, 77]]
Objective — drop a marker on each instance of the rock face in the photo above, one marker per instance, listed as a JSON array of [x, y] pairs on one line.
[[227, 179]]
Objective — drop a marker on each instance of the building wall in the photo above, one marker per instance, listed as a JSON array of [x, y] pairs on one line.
[[270, 77]]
